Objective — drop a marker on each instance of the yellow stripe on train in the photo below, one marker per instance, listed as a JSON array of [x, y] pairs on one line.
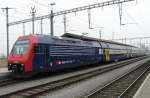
[[107, 54]]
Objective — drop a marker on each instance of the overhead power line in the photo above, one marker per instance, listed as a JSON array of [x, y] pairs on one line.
[[107, 3], [134, 38], [41, 4]]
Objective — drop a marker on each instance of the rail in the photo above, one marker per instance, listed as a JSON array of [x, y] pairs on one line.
[[119, 86]]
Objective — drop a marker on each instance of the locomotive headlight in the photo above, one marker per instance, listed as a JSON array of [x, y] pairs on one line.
[[21, 67], [9, 66]]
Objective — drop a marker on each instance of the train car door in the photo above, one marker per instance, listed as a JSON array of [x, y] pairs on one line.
[[104, 49], [100, 54], [46, 56], [39, 58], [107, 55]]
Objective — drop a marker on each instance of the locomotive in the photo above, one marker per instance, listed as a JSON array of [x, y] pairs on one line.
[[42, 53]]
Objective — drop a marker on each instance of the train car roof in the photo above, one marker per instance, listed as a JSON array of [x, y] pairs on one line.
[[85, 38], [64, 40]]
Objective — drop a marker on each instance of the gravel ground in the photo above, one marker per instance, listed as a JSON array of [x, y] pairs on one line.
[[81, 89]]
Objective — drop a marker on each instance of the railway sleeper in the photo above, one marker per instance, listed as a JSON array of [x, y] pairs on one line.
[[37, 90], [114, 90], [44, 88], [32, 92], [103, 96], [21, 95], [107, 93], [14, 96]]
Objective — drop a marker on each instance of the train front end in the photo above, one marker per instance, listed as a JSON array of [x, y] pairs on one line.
[[20, 58]]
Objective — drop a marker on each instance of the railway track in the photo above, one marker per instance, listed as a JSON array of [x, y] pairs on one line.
[[9, 81], [124, 86], [6, 82], [40, 89]]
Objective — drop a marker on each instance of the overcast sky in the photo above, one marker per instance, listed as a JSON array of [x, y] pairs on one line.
[[136, 14]]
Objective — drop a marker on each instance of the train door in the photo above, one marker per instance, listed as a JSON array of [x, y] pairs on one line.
[[105, 47], [107, 55], [38, 58], [46, 56], [100, 54]]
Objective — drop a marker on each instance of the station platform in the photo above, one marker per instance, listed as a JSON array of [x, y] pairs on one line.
[[3, 70], [144, 90]]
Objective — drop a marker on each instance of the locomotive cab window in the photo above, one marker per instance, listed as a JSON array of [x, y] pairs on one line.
[[20, 47]]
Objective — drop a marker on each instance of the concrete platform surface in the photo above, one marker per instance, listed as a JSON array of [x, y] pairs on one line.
[[144, 90], [3, 70]]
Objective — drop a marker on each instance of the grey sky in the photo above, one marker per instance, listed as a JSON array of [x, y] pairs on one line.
[[107, 17]]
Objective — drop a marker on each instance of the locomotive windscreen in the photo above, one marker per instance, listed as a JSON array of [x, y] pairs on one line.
[[20, 47]]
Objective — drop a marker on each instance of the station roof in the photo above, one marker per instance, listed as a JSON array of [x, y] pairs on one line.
[[85, 38]]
